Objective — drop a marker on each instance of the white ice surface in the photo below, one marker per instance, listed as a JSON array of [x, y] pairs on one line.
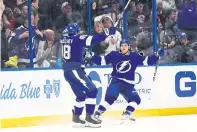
[[154, 124]]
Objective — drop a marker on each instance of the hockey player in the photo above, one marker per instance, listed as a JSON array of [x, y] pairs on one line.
[[124, 63], [83, 88]]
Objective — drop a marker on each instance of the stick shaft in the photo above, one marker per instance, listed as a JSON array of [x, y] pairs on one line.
[[127, 5], [125, 8], [155, 72]]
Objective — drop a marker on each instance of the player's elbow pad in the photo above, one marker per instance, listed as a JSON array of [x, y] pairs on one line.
[[98, 38]]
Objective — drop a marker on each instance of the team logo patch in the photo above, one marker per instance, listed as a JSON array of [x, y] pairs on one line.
[[123, 66]]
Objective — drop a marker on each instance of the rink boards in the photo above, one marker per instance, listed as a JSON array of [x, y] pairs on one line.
[[43, 97]]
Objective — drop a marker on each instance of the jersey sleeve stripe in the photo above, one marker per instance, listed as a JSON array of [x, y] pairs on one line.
[[103, 62], [145, 62], [89, 40]]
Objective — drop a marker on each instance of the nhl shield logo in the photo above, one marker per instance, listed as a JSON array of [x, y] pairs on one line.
[[56, 87]]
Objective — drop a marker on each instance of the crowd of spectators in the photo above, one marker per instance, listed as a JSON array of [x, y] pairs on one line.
[[176, 29]]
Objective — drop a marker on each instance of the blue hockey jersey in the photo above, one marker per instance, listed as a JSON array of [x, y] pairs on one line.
[[23, 44], [73, 48], [124, 66]]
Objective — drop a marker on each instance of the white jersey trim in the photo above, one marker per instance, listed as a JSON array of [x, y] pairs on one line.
[[145, 62], [81, 80], [89, 40], [103, 62]]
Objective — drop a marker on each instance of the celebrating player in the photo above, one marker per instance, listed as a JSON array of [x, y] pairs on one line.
[[83, 88], [124, 64]]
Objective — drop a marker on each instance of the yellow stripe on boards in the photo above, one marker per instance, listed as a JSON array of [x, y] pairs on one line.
[[65, 119], [35, 121], [157, 112]]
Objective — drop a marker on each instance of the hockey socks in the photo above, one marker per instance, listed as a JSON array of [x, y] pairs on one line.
[[131, 107], [90, 105], [129, 110], [104, 106], [100, 110], [78, 107]]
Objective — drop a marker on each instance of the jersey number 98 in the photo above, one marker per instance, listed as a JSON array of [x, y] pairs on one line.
[[66, 52]]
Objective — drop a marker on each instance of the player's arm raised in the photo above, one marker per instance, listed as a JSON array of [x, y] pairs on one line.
[[150, 60], [102, 60]]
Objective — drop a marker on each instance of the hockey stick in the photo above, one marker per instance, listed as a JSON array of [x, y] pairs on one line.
[[125, 8], [156, 67], [163, 45]]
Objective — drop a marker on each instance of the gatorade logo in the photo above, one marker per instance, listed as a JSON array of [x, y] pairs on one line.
[[185, 84]]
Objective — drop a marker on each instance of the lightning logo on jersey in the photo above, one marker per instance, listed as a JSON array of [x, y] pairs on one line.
[[123, 67]]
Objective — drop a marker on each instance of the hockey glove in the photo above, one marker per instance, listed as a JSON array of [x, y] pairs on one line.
[[88, 62], [160, 52], [112, 30]]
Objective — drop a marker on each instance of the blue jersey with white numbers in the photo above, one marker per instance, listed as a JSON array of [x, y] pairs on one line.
[[73, 48], [124, 66]]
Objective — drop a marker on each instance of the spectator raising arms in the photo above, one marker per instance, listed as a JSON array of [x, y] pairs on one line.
[[22, 40]]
